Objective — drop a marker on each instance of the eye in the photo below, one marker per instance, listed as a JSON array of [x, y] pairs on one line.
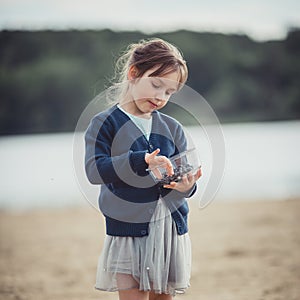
[[155, 85]]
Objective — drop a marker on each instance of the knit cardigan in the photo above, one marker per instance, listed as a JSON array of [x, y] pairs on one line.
[[115, 159]]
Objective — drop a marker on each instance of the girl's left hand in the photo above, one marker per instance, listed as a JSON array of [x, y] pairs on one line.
[[186, 183]]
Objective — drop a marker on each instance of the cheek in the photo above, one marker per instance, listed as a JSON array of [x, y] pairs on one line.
[[163, 104]]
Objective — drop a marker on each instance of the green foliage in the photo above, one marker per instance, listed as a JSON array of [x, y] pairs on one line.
[[48, 77]]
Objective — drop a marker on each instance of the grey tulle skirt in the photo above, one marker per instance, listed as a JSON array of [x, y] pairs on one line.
[[160, 262]]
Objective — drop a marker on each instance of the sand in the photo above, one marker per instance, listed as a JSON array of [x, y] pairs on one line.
[[241, 250]]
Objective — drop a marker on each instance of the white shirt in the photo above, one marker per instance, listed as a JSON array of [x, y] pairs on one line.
[[143, 124]]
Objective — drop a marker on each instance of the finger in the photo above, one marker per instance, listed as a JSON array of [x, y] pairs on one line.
[[154, 153], [169, 168], [157, 173], [198, 174], [172, 185], [150, 156], [167, 165], [185, 179]]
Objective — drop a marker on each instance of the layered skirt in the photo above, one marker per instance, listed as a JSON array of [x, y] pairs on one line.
[[160, 262]]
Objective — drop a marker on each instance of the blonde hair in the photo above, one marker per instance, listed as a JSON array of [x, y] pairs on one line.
[[146, 55]]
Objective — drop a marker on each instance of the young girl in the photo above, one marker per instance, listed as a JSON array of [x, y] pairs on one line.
[[147, 252]]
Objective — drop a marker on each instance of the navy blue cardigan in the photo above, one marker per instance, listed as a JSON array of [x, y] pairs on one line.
[[115, 159]]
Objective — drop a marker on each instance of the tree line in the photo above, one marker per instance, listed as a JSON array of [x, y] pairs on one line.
[[48, 77]]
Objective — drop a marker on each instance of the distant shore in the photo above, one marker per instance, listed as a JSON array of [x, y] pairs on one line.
[[241, 250]]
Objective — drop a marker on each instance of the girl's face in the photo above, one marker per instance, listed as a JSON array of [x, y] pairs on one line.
[[152, 93]]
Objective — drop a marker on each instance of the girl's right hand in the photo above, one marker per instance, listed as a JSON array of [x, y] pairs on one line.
[[153, 161]]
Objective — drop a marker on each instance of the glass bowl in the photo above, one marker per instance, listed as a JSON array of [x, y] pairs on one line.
[[183, 163]]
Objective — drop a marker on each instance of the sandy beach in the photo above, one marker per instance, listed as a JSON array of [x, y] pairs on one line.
[[241, 250]]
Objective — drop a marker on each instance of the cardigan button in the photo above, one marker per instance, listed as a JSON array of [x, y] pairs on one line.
[[151, 210], [143, 232]]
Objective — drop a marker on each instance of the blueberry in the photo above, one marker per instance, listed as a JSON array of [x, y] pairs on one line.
[[178, 173]]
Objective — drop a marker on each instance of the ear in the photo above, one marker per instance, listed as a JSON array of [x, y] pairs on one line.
[[132, 73]]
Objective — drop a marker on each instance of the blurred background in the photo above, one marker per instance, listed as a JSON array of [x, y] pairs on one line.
[[243, 58], [55, 57]]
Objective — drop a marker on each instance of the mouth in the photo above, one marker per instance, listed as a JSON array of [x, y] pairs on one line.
[[153, 105]]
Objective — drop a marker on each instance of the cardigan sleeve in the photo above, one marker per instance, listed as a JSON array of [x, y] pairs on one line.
[[100, 167]]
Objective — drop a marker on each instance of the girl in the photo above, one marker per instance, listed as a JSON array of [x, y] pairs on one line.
[[147, 252]]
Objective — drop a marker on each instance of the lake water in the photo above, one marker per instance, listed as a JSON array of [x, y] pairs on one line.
[[262, 162]]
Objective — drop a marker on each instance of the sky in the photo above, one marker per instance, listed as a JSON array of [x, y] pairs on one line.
[[260, 19]]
